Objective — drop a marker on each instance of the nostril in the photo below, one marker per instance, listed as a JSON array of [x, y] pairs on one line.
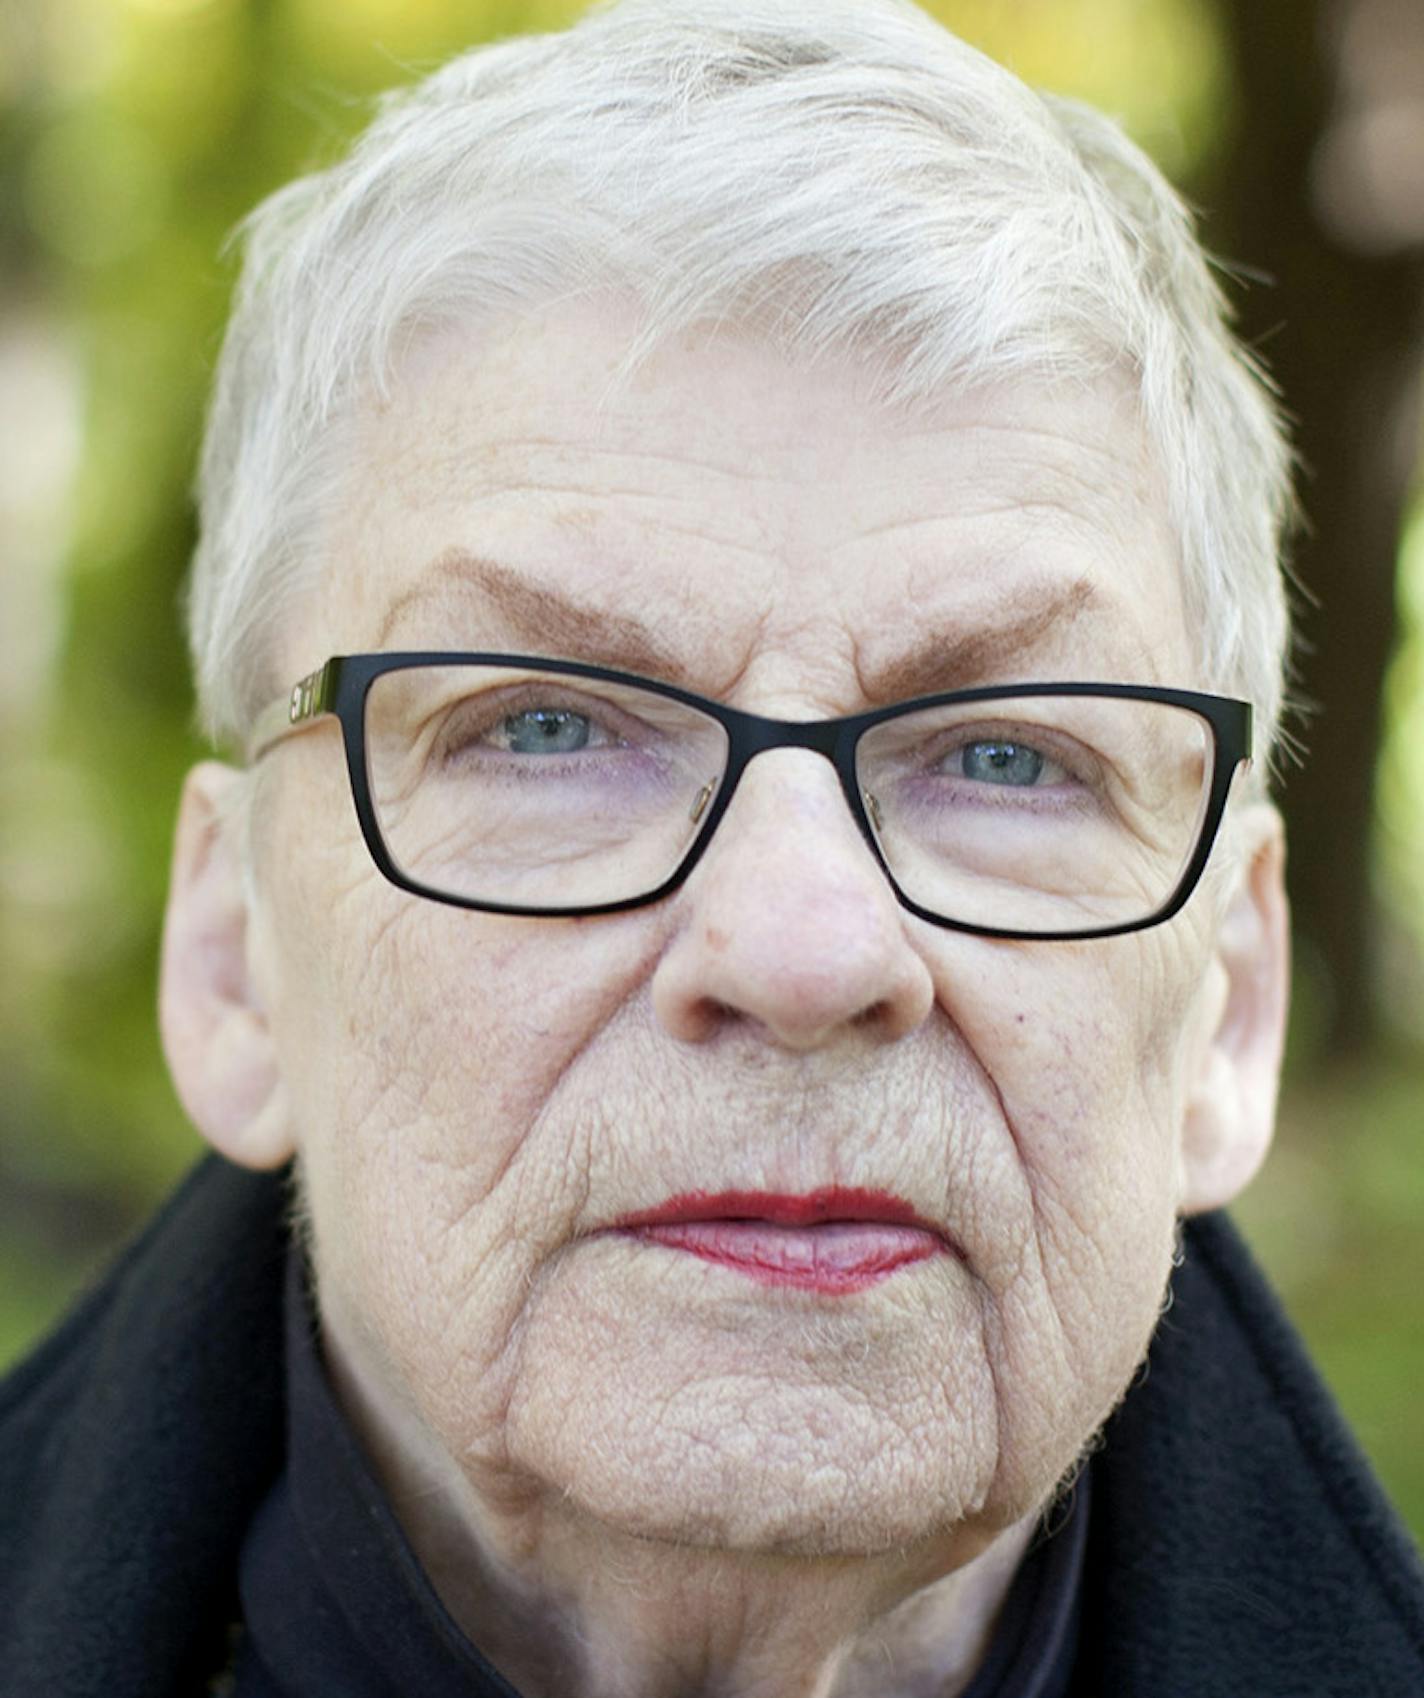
[[876, 1014], [704, 1017]]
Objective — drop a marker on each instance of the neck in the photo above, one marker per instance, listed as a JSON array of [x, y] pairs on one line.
[[563, 1606]]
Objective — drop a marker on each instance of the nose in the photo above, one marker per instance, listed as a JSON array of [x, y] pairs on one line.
[[789, 924]]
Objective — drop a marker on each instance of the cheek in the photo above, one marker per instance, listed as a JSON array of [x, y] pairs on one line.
[[1087, 1050], [421, 1047]]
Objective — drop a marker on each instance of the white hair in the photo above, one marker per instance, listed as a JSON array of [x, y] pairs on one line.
[[845, 177]]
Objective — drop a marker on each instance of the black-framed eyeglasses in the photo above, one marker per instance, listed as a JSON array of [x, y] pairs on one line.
[[514, 784]]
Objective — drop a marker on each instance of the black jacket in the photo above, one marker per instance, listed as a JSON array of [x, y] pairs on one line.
[[1238, 1546]]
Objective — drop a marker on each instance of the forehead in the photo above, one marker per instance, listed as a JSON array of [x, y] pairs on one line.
[[725, 516]]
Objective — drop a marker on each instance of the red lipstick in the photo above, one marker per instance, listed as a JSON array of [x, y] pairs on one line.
[[835, 1240]]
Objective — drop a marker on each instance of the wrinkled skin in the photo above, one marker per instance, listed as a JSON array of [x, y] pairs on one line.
[[627, 1470]]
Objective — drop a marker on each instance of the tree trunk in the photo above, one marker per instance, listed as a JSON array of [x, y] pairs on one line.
[[1341, 329]]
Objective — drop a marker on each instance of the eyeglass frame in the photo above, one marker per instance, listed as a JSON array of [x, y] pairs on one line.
[[340, 686]]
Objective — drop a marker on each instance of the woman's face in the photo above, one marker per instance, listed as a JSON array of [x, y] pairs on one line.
[[479, 1101]]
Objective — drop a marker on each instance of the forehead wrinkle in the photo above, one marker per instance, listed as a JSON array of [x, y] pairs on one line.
[[572, 465]]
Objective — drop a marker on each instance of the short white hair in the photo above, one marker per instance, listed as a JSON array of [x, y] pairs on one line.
[[845, 177]]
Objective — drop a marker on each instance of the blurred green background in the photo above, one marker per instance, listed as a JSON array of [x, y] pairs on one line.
[[135, 133]]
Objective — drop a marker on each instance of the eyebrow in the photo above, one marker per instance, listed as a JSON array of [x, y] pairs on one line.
[[553, 621], [973, 652], [956, 655]]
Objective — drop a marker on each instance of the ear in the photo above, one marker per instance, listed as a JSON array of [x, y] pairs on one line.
[[215, 1031], [1231, 1112]]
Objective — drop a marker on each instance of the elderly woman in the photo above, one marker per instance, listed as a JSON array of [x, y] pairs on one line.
[[743, 564]]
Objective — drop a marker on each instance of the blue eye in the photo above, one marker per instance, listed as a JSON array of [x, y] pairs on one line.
[[554, 731], [1001, 763]]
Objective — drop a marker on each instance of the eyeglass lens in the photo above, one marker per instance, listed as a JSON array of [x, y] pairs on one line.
[[517, 787]]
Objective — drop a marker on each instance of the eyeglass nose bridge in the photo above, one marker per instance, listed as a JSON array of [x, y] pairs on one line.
[[750, 735]]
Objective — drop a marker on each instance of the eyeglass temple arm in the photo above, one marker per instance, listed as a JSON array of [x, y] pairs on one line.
[[308, 699]]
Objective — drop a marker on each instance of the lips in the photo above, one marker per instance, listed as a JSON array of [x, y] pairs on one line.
[[836, 1240]]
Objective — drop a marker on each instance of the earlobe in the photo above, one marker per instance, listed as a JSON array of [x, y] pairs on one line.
[[215, 1031], [1232, 1108]]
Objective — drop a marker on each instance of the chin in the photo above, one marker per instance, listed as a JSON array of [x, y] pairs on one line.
[[802, 1480]]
